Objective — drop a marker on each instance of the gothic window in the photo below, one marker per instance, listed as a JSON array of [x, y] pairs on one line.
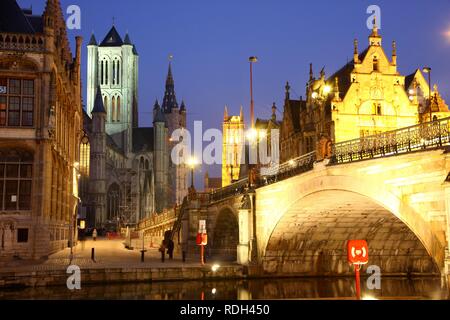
[[118, 109], [375, 64], [379, 109], [118, 72], [16, 102], [16, 168], [113, 202], [85, 153], [106, 72], [114, 72], [113, 109], [102, 72]]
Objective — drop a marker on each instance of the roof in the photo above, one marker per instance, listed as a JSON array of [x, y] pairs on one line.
[[14, 20], [127, 40], [343, 74], [112, 144], [142, 139], [294, 111], [98, 103], [409, 79], [92, 41], [112, 39]]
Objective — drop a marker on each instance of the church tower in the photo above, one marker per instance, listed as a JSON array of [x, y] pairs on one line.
[[176, 119], [160, 159], [232, 146], [97, 185], [113, 65]]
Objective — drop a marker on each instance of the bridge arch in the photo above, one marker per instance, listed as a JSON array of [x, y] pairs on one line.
[[307, 234], [225, 236]]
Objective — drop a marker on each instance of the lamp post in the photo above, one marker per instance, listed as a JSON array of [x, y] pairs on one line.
[[192, 162], [252, 111], [251, 166], [428, 70]]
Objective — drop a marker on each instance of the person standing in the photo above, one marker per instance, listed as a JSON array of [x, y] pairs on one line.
[[94, 234]]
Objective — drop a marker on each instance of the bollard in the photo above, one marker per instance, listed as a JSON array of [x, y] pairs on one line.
[[93, 254], [184, 256], [142, 255]]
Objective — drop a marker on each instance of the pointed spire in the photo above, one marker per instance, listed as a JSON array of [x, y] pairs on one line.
[[156, 105], [98, 103], [311, 74], [159, 116], [336, 89], [287, 87], [322, 73], [274, 112], [241, 114], [112, 39], [355, 51], [375, 38], [92, 41], [183, 106], [170, 100], [127, 40], [225, 113], [394, 53]]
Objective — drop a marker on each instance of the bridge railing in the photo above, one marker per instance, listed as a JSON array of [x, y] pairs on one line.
[[289, 169], [229, 191], [415, 138]]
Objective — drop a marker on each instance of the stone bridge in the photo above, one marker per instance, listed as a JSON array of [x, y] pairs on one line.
[[392, 190]]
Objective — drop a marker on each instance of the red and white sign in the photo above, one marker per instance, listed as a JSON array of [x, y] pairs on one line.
[[202, 226], [357, 251]]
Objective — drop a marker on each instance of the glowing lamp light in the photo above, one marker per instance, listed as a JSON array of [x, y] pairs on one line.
[[82, 224], [314, 95], [252, 134], [291, 163], [215, 267], [192, 162], [213, 291], [369, 298], [327, 89], [411, 91], [76, 164], [262, 134]]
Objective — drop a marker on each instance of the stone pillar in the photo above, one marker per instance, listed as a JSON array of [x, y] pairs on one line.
[[243, 248], [447, 209]]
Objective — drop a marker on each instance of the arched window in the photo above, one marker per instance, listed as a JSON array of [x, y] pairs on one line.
[[114, 72], [85, 154], [113, 109], [118, 109], [118, 72], [375, 64], [106, 72], [16, 175], [102, 72]]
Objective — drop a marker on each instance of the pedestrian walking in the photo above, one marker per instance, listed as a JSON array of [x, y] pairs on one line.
[[94, 235]]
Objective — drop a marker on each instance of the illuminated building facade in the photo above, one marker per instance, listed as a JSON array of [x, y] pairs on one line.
[[365, 97], [233, 145]]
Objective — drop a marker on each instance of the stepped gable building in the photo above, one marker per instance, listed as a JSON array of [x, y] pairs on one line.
[[40, 131], [366, 96], [128, 172]]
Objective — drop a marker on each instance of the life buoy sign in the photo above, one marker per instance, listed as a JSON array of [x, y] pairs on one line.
[[357, 252], [202, 239]]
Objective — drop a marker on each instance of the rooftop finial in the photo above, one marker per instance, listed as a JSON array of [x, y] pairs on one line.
[[311, 74]]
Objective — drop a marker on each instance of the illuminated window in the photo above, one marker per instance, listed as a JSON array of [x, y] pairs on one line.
[[16, 102], [16, 174], [113, 109], [118, 109], [85, 153]]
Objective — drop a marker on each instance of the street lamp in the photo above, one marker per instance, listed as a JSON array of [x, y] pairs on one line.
[[428, 70], [252, 110], [192, 162]]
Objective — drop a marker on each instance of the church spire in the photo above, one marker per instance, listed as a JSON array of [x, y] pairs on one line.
[[225, 113], [170, 100]]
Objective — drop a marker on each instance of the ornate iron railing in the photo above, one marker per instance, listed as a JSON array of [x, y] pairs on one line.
[[415, 138], [288, 169], [229, 191]]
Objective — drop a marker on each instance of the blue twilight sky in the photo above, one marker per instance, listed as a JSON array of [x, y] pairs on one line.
[[211, 41]]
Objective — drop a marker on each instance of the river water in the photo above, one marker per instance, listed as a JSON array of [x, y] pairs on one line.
[[284, 288]]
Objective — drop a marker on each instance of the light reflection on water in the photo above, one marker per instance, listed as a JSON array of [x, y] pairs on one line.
[[282, 288]]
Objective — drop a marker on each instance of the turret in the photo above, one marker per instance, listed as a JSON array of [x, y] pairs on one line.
[[394, 53], [92, 72]]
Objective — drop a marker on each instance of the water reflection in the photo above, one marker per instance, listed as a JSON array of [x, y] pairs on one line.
[[297, 288]]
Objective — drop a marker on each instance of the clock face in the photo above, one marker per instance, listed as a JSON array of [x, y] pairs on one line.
[[3, 90]]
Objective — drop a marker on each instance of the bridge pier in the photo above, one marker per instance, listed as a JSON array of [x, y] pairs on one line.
[[447, 251]]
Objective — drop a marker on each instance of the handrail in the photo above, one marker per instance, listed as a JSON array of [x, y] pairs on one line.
[[414, 138]]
